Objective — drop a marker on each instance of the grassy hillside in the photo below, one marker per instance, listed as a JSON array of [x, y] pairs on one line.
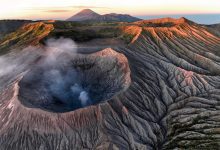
[[7, 26], [29, 34]]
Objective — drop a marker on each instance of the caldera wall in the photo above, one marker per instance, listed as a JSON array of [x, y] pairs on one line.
[[74, 81]]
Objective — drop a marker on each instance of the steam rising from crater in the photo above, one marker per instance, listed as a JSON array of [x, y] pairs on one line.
[[63, 80], [61, 83], [52, 78], [57, 47], [56, 78]]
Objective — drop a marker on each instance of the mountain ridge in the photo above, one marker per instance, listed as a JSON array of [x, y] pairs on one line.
[[89, 15]]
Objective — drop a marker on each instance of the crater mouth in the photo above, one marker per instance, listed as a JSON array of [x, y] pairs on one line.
[[75, 82]]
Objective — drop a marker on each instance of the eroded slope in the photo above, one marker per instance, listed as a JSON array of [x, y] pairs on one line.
[[172, 102]]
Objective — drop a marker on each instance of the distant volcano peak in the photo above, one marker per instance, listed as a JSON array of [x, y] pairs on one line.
[[87, 11], [91, 16]]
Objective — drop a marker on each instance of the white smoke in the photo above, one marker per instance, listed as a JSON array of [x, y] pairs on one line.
[[20, 60], [56, 47], [14, 64], [5, 67], [83, 95], [84, 98]]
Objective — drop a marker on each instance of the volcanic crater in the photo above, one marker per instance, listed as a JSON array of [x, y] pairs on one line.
[[75, 81]]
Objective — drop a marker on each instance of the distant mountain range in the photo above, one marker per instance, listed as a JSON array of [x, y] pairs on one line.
[[89, 15]]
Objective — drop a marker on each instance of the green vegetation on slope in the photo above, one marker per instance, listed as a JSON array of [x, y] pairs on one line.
[[82, 32], [29, 34]]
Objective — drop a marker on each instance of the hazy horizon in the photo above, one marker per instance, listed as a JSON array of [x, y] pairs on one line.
[[198, 10], [198, 18]]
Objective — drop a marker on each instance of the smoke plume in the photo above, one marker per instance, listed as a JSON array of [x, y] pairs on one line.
[[59, 84]]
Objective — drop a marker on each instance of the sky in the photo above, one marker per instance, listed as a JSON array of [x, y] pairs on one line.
[[63, 9]]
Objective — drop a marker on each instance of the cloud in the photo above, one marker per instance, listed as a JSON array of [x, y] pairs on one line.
[[91, 7], [64, 9], [57, 11]]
